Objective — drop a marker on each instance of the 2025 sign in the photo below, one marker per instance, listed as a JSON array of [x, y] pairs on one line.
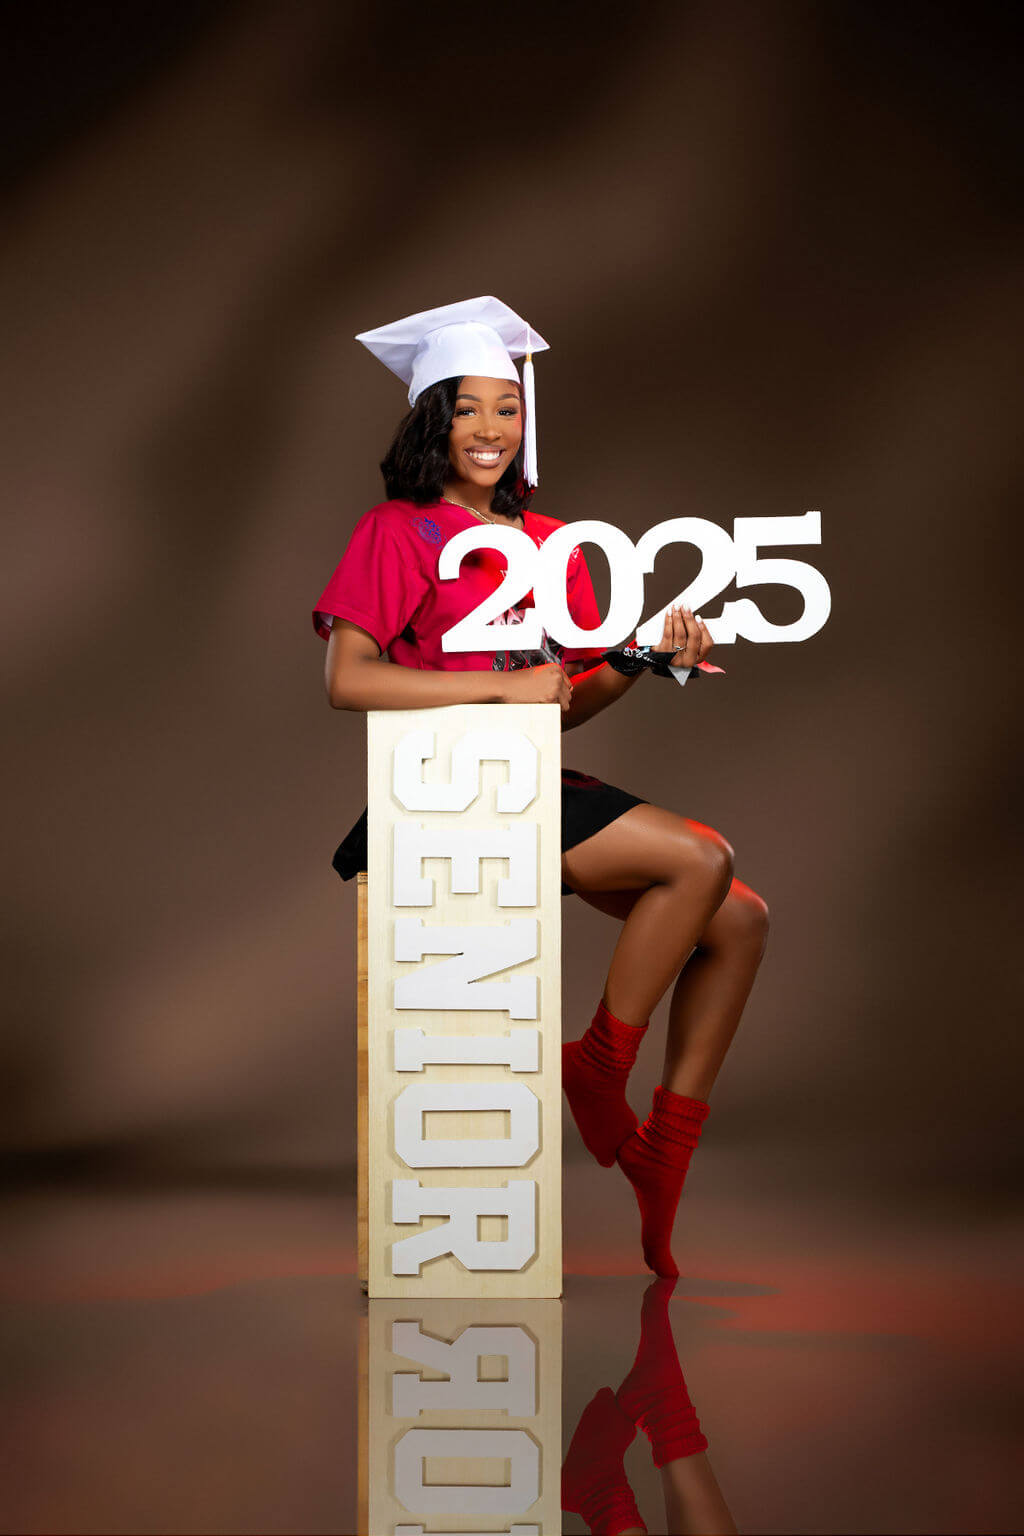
[[725, 557]]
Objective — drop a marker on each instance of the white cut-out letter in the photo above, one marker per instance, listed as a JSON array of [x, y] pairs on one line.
[[465, 847], [479, 951], [513, 1530], [511, 1151], [519, 1049], [469, 751], [460, 1362], [411, 1201], [512, 1445]]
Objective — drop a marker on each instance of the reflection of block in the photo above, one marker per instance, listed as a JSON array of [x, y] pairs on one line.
[[513, 1530], [461, 1418], [459, 1009]]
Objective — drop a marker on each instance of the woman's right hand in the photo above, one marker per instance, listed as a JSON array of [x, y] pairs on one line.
[[546, 684]]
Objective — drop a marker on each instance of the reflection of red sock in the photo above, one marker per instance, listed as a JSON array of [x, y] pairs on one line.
[[594, 1482], [594, 1073], [655, 1159], [654, 1393]]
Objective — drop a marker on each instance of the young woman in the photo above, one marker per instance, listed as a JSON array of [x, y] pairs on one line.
[[687, 922]]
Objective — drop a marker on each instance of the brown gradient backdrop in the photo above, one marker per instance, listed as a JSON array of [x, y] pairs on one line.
[[776, 250]]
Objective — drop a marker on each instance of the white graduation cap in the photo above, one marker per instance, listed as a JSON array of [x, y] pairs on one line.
[[475, 336]]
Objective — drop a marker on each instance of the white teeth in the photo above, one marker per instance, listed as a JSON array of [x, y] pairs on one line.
[[485, 456]]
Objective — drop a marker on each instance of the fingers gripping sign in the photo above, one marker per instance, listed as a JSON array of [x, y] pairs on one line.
[[685, 642], [686, 634]]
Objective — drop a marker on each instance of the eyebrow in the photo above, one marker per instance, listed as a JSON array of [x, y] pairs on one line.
[[512, 395]]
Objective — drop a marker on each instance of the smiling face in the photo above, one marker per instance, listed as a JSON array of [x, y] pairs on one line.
[[486, 431]]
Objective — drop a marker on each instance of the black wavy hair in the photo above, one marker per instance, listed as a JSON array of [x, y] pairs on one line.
[[416, 465]]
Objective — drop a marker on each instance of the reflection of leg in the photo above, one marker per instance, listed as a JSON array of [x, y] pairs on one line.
[[594, 1482], [694, 1505], [654, 1393], [594, 1073]]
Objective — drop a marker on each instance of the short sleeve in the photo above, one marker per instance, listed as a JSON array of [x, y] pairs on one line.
[[378, 584], [582, 604]]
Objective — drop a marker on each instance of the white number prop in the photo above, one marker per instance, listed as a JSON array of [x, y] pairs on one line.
[[715, 573], [544, 570], [549, 587], [460, 1362], [512, 1445], [742, 616], [517, 1202], [521, 557], [511, 1151]]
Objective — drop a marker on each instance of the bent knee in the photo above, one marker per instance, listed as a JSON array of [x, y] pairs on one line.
[[705, 858], [748, 915], [721, 859], [740, 925]]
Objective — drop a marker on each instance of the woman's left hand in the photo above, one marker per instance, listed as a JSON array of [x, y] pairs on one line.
[[685, 633]]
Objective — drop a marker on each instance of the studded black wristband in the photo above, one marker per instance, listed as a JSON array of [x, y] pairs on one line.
[[632, 660]]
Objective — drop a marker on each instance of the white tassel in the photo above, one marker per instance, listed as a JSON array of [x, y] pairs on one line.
[[530, 445]]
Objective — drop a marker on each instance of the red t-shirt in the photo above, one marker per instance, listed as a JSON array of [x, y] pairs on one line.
[[387, 583]]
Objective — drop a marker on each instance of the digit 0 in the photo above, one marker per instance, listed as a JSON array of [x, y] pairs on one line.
[[550, 587]]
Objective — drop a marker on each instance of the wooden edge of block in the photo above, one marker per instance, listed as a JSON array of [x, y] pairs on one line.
[[363, 1430], [362, 1084]]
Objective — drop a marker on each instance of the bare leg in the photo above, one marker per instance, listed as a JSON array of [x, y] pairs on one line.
[[711, 992], [694, 1505], [713, 986], [659, 938], [677, 873]]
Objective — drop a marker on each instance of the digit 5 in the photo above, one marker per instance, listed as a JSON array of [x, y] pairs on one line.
[[742, 616]]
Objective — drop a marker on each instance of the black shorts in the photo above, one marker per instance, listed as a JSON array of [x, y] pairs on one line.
[[588, 804]]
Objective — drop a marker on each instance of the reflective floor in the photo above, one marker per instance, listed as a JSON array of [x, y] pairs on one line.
[[199, 1360]]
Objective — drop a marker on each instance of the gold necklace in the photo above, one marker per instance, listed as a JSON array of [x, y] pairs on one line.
[[474, 511]]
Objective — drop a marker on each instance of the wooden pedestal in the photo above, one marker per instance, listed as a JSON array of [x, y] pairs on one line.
[[459, 1060]]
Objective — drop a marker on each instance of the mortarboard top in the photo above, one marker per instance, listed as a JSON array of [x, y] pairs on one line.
[[475, 336]]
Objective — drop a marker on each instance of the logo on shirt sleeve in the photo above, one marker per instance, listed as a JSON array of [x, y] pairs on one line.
[[428, 529]]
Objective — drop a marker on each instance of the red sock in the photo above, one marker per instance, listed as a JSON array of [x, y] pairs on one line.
[[655, 1159], [594, 1482], [654, 1393], [594, 1073]]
